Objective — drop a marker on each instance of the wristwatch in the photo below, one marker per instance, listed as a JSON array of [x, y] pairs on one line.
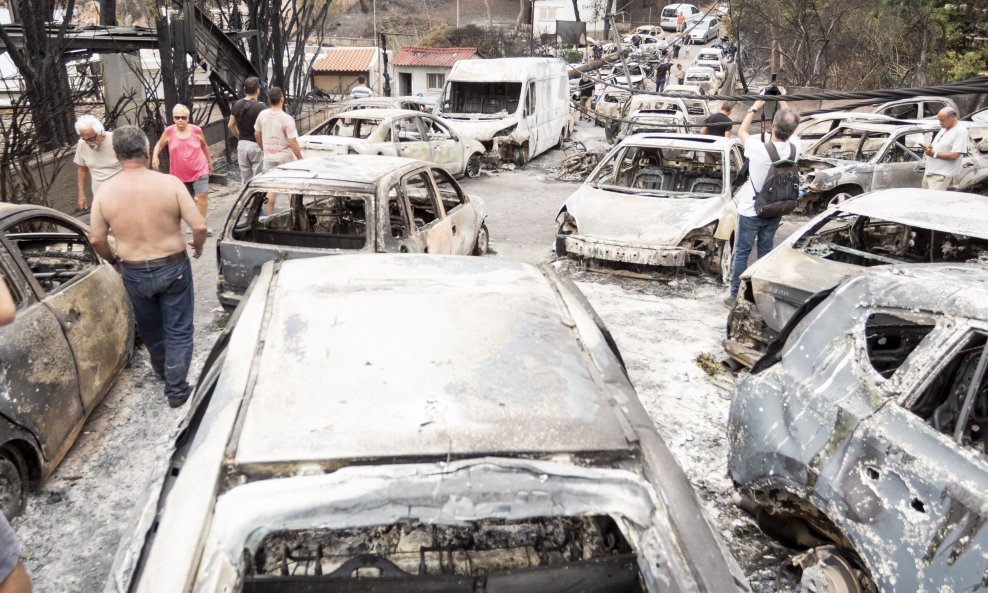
[[934, 154], [752, 110]]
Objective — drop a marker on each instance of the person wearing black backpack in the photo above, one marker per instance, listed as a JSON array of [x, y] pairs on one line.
[[771, 190]]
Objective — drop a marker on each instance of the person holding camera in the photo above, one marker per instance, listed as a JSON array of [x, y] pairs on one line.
[[944, 155], [765, 156]]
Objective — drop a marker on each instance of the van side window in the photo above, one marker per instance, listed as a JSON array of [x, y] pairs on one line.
[[530, 99]]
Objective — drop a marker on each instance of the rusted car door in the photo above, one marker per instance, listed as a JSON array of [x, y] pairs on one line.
[[86, 295], [39, 389], [902, 164], [917, 471], [460, 214], [410, 139], [431, 231], [447, 150]]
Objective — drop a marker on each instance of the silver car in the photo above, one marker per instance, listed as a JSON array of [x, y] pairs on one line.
[[395, 132], [858, 157], [861, 435], [346, 204], [656, 200], [418, 423], [892, 226]]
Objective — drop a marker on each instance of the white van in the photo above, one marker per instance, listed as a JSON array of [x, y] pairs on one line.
[[671, 12], [517, 107]]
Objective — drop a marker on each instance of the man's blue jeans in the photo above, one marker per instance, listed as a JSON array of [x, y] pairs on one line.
[[750, 230], [164, 303]]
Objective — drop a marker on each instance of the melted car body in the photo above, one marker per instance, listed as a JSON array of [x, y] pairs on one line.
[[346, 204], [888, 227], [863, 431], [72, 334], [656, 200], [426, 421]]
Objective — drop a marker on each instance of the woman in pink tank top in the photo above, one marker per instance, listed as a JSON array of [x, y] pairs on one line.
[[188, 156]]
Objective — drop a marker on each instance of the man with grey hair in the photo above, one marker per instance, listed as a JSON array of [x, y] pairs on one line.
[[751, 228], [93, 155], [945, 153], [145, 210], [720, 123]]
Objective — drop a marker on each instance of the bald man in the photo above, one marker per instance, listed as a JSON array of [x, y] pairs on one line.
[[944, 155]]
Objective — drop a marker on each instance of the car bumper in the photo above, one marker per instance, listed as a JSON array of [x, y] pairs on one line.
[[628, 253]]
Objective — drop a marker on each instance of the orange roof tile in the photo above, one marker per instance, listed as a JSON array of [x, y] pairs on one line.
[[438, 57], [344, 59]]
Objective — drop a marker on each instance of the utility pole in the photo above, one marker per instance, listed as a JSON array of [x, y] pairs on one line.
[[531, 37]]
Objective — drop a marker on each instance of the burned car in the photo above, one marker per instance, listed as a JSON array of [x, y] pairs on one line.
[[862, 434], [420, 104], [395, 132], [859, 157], [416, 423], [656, 200], [72, 334], [892, 226], [815, 126], [706, 79], [915, 107], [346, 204], [651, 113]]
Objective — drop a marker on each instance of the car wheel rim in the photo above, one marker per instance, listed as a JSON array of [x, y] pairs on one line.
[[726, 259], [483, 241], [473, 165], [827, 571]]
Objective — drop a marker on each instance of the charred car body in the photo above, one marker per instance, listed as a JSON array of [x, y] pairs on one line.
[[859, 157], [394, 132], [72, 333], [892, 226], [425, 445], [862, 434], [651, 113], [516, 107], [346, 204], [656, 200]]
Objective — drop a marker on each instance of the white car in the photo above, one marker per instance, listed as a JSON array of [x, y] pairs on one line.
[[704, 78], [656, 200], [711, 57], [705, 30], [633, 78], [395, 132]]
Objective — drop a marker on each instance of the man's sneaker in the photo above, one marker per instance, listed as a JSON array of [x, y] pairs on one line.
[[729, 302], [209, 232], [175, 402]]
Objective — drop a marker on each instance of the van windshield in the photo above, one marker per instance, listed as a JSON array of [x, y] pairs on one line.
[[668, 13], [491, 100]]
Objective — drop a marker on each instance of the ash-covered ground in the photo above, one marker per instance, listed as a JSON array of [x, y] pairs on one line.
[[72, 525]]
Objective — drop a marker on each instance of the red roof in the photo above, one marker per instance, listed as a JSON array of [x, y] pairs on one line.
[[345, 59], [437, 57]]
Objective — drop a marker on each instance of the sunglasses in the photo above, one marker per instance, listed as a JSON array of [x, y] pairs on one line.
[[90, 139], [180, 117]]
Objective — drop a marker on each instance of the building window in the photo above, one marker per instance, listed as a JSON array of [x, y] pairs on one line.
[[435, 81], [547, 13]]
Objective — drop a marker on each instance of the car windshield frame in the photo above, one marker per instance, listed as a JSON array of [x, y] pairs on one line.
[[650, 168], [855, 155]]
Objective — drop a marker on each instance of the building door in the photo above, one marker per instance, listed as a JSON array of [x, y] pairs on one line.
[[404, 84]]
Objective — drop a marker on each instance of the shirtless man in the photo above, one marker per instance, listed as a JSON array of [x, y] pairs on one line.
[[145, 209]]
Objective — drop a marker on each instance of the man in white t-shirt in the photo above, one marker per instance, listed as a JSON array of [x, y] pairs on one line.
[[93, 155], [276, 135], [753, 229], [944, 155], [361, 91]]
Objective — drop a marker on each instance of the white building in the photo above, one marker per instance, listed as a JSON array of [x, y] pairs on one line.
[[547, 12], [423, 70]]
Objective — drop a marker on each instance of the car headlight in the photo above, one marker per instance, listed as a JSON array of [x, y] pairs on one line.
[[699, 239], [567, 223], [506, 131]]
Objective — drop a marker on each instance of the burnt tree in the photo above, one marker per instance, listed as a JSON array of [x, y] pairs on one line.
[[41, 63]]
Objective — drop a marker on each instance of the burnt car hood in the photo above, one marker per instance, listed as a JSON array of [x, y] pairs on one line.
[[327, 141], [630, 218], [484, 128]]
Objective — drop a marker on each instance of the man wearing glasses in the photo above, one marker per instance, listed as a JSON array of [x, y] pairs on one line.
[[94, 155]]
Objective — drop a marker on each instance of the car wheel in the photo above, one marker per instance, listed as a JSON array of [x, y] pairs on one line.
[[837, 196], [483, 244], [473, 165], [13, 482], [827, 569], [518, 156], [725, 261]]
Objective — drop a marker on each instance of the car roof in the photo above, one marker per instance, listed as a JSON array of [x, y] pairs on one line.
[[945, 211], [352, 168], [687, 141], [950, 289], [8, 210], [414, 356], [891, 127]]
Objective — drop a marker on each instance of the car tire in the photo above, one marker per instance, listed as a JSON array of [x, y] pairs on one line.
[[13, 481], [473, 166], [483, 243], [725, 261], [837, 196], [518, 156]]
